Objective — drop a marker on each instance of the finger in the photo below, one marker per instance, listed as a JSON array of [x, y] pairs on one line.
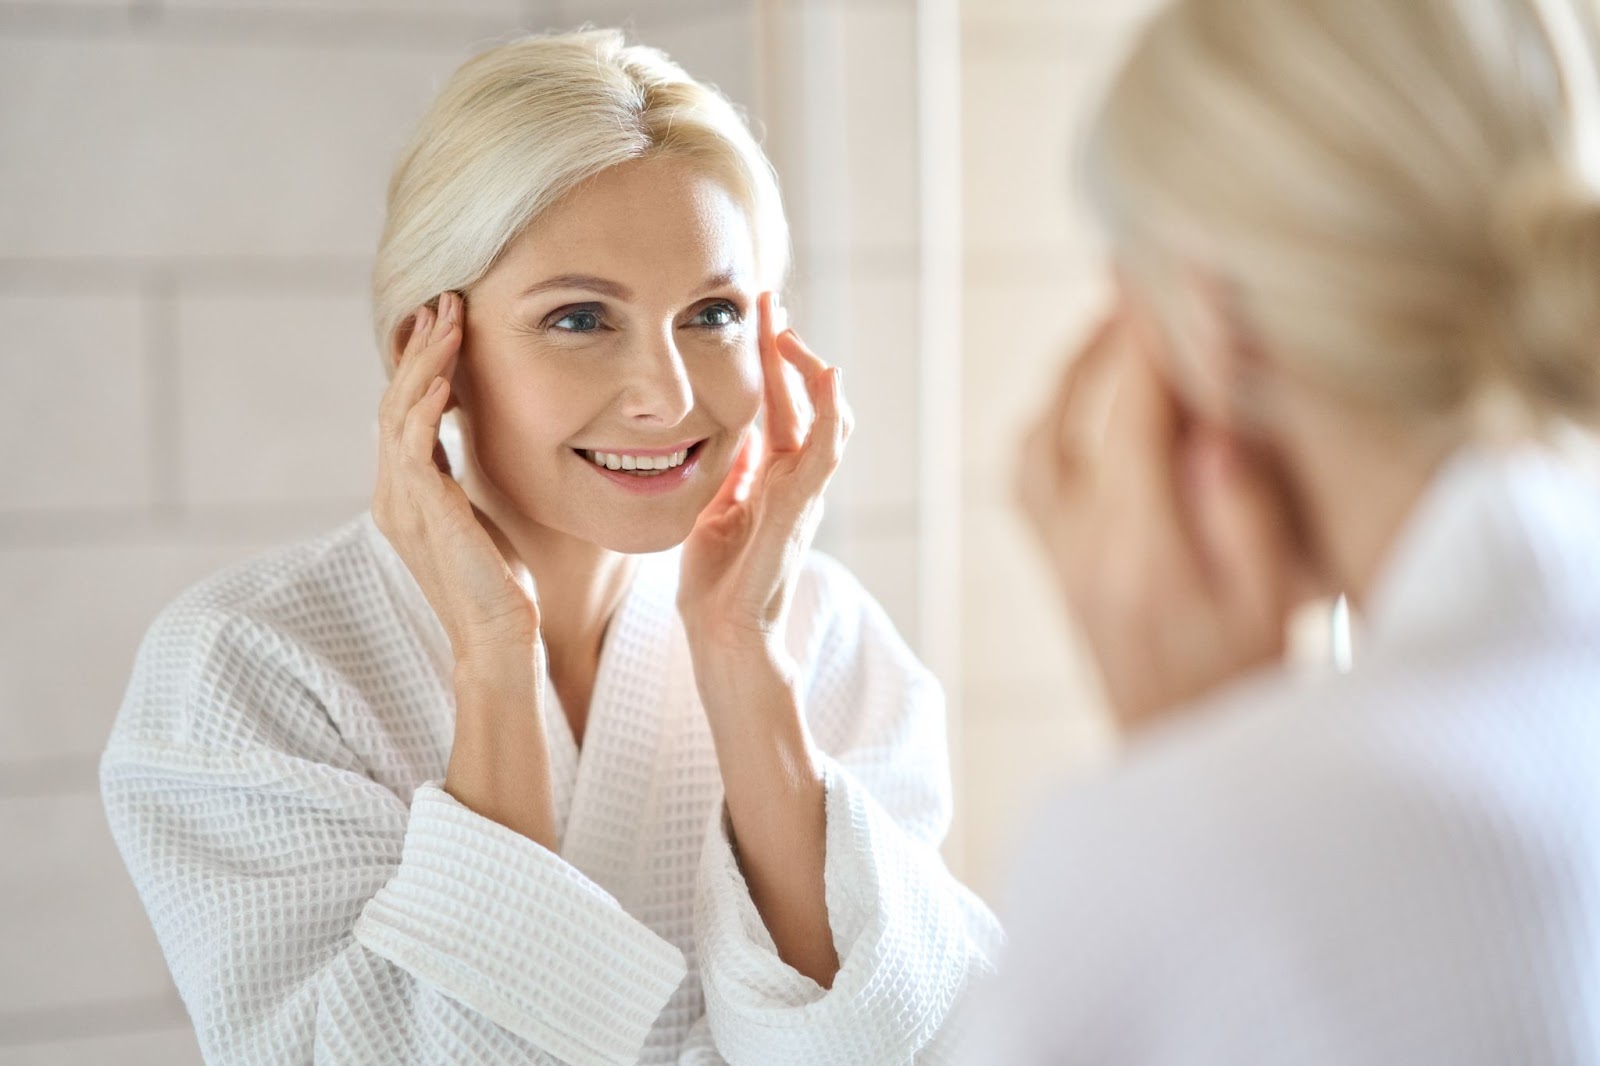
[[1244, 530], [391, 414], [795, 351], [782, 418], [420, 434], [829, 430], [437, 349], [806, 363], [1142, 439], [1058, 457], [435, 355], [1069, 436], [421, 323]]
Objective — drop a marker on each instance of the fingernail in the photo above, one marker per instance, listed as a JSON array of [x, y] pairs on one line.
[[838, 381], [450, 315]]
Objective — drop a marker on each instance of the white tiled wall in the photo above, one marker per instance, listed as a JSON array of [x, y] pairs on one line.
[[190, 191]]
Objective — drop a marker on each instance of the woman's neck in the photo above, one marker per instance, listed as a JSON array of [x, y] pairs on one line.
[[1357, 480], [580, 586]]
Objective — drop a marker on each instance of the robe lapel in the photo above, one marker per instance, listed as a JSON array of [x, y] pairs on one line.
[[563, 753], [618, 772]]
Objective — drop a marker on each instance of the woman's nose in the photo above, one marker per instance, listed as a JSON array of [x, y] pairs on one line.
[[658, 389]]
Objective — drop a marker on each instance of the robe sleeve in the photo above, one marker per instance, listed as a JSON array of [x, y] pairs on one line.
[[310, 915], [910, 938]]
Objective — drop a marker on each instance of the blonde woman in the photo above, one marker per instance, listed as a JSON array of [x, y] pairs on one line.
[[1359, 254], [568, 751]]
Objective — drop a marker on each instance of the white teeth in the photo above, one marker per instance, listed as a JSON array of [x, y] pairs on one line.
[[618, 461]]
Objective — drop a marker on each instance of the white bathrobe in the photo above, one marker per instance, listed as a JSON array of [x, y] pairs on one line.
[[1397, 866], [273, 781]]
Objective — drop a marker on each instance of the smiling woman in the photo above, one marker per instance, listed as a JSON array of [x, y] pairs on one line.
[[571, 750]]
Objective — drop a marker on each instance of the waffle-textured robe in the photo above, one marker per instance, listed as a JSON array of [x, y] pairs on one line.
[[1397, 866], [273, 782]]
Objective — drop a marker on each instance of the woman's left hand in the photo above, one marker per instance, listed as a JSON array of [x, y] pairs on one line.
[[739, 564], [735, 579]]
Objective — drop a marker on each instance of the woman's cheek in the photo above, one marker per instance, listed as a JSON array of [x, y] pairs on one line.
[[730, 388], [748, 402]]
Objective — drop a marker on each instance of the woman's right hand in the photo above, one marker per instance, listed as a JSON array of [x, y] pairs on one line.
[[482, 593], [1171, 540]]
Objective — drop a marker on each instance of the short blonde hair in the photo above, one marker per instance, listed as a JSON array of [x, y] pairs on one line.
[[523, 123], [1399, 194]]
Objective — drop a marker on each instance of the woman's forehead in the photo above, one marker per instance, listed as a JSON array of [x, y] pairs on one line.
[[648, 225]]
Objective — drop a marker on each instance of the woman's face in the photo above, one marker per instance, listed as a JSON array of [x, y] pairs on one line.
[[619, 327]]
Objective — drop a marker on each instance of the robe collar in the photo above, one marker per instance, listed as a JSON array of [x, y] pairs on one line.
[[1499, 538], [606, 792]]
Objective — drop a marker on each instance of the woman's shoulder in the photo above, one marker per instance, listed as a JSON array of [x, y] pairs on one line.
[[834, 594], [862, 677], [833, 609], [295, 588], [1400, 765], [268, 630]]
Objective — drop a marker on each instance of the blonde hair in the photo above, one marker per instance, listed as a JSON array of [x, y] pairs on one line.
[[518, 126], [1400, 196]]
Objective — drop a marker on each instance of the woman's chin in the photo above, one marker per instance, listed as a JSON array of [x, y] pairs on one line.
[[645, 539]]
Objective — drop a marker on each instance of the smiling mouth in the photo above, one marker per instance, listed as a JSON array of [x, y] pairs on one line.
[[643, 466]]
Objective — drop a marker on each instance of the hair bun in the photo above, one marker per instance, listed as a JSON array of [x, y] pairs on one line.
[[1547, 238]]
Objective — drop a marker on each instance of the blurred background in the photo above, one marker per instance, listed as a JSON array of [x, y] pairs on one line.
[[190, 192]]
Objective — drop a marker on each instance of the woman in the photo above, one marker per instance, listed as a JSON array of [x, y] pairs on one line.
[[498, 772], [1359, 254]]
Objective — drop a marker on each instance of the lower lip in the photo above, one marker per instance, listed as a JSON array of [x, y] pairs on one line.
[[651, 485]]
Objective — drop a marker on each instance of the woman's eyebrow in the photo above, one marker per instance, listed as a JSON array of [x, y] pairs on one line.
[[719, 279], [616, 290], [603, 286]]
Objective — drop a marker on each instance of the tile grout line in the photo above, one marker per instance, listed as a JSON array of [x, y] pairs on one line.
[[261, 27], [341, 28], [143, 526]]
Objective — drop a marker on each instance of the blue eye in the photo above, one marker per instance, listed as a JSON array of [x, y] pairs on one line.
[[578, 322], [718, 315]]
